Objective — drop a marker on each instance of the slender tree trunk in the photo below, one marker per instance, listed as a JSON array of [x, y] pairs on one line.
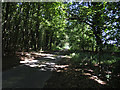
[[37, 30], [4, 39]]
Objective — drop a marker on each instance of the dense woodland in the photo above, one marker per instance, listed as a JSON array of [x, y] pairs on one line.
[[89, 32], [91, 26]]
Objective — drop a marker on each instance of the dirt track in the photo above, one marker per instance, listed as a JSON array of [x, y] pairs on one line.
[[32, 73]]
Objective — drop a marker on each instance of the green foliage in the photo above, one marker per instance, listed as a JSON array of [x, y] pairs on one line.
[[94, 58], [99, 18], [46, 26], [32, 26]]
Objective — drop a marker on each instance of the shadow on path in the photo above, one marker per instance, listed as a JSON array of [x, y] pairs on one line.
[[33, 72]]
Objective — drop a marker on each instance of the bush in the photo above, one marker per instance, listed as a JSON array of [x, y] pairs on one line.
[[94, 58]]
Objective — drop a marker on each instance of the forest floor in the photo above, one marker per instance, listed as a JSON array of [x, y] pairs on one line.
[[32, 71], [56, 70], [74, 77], [86, 75]]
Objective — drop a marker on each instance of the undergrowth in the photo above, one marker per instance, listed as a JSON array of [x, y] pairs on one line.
[[94, 58], [106, 66]]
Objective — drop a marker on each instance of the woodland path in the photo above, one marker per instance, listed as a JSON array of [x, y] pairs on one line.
[[32, 73]]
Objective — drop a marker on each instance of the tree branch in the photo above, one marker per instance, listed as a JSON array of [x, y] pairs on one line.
[[76, 17]]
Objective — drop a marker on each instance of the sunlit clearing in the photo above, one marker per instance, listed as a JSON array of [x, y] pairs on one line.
[[73, 54], [60, 70], [42, 54], [90, 70], [42, 65], [96, 65], [86, 64], [78, 69], [50, 57], [42, 69], [61, 56], [66, 46], [98, 80], [26, 58], [50, 63], [68, 57], [28, 54], [94, 77], [34, 65], [87, 74], [43, 61], [108, 72], [61, 66], [28, 61]]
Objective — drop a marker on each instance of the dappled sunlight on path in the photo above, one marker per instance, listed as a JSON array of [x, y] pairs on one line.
[[42, 60], [34, 70], [76, 76]]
